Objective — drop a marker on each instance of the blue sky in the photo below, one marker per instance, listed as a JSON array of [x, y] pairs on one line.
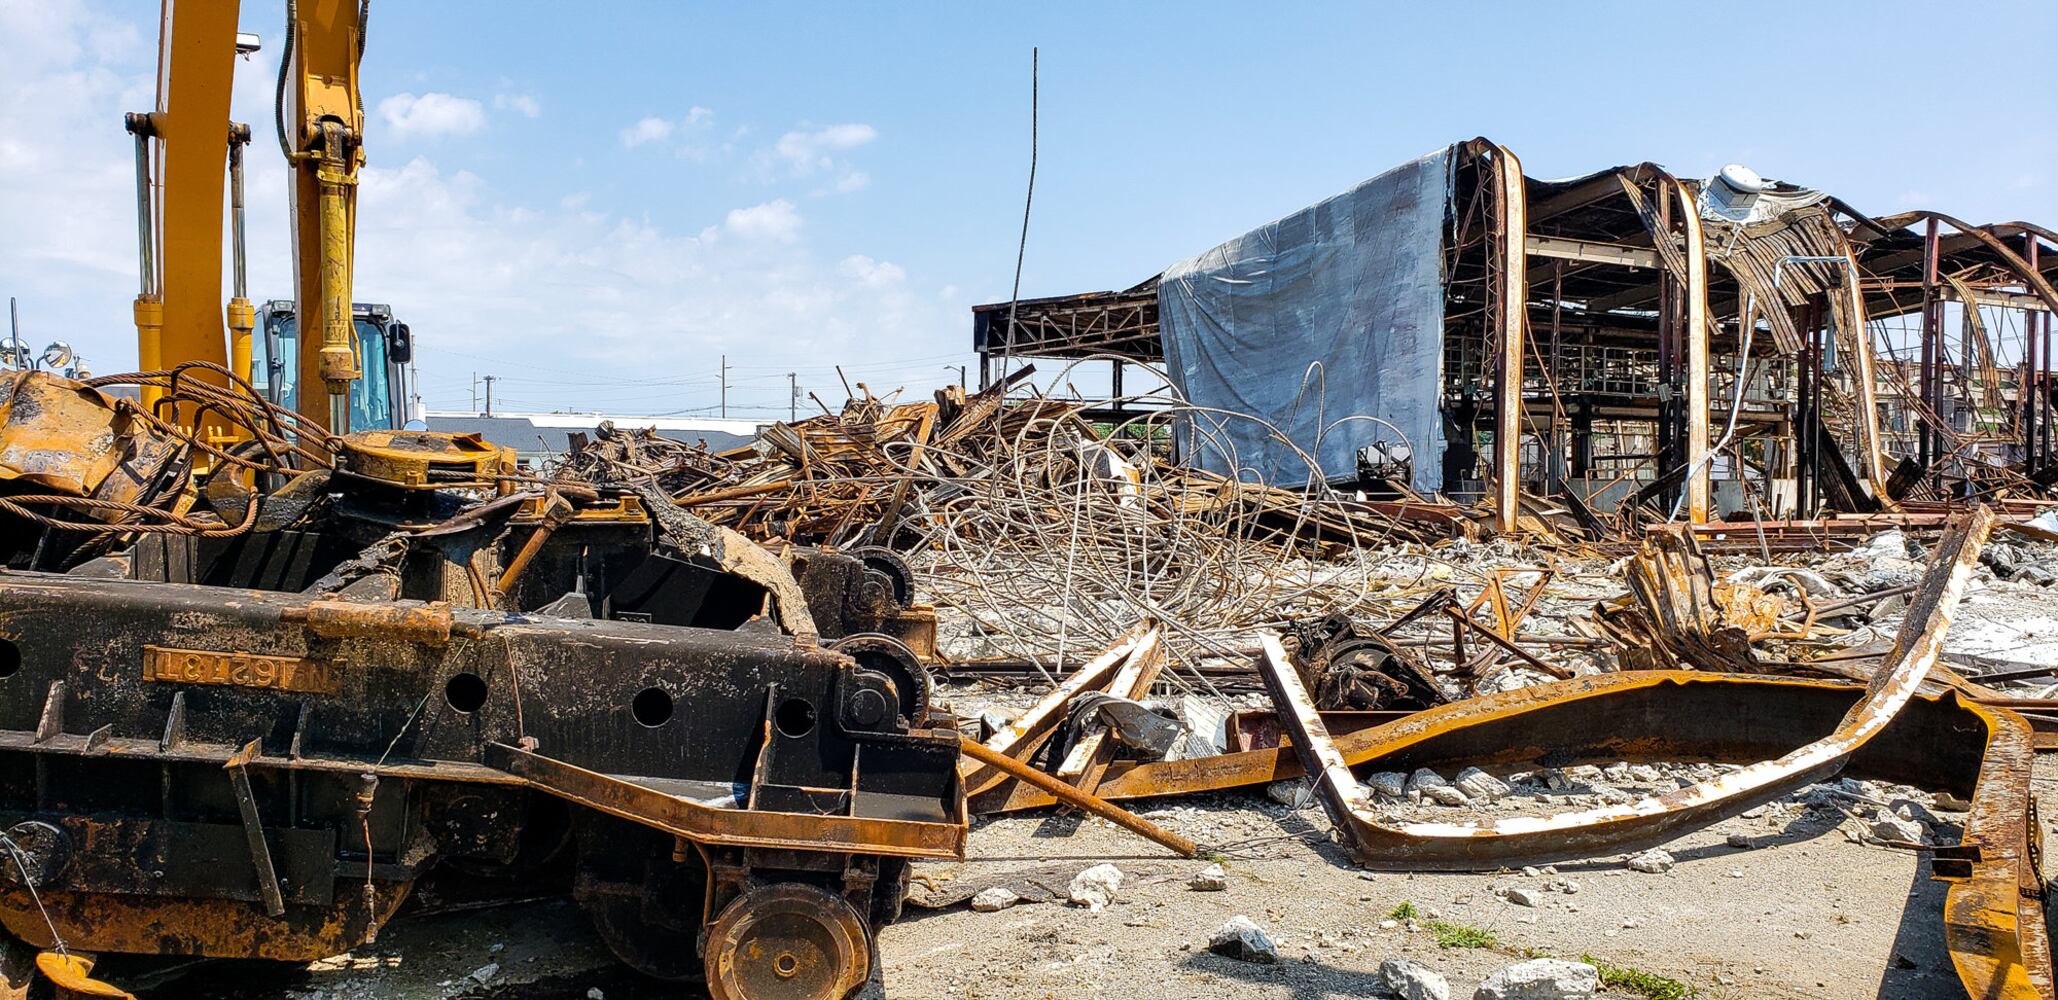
[[570, 196]]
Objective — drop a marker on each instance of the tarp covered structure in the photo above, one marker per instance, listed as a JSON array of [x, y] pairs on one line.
[[1331, 312]]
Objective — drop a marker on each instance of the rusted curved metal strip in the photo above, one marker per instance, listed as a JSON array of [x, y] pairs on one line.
[[1994, 924], [1379, 842]]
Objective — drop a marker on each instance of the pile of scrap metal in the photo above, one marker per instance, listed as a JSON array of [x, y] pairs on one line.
[[1696, 697], [888, 474], [263, 689]]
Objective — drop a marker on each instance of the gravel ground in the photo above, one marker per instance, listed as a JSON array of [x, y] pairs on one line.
[[1802, 912]]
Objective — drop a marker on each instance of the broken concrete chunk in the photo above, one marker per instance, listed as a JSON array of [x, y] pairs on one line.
[[1246, 941], [1889, 828], [1095, 887], [1481, 786], [1651, 862], [486, 972], [1293, 793], [1428, 784], [1392, 784], [1541, 979], [995, 899], [1519, 896], [1413, 980], [1209, 879]]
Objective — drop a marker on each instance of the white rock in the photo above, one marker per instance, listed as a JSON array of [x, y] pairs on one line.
[[1519, 896], [1209, 879], [1891, 827], [1293, 793], [486, 972], [995, 899], [1095, 887], [1541, 979], [1739, 840], [1480, 786], [1392, 784], [595, 993], [1445, 795], [1244, 940], [1413, 980], [1651, 862]]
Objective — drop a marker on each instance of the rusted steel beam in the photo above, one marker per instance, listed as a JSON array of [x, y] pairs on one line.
[[1074, 797], [708, 824], [1493, 637], [1379, 842], [1022, 737], [1088, 761]]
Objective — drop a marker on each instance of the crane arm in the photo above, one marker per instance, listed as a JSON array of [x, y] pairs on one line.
[[179, 190], [321, 131]]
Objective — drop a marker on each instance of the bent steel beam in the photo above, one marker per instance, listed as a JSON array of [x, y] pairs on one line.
[[1377, 841]]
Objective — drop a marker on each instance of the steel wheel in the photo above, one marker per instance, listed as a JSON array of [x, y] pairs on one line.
[[787, 942]]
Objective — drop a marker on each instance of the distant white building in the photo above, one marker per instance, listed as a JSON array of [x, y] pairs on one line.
[[538, 437]]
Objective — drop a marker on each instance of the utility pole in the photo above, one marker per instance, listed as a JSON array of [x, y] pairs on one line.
[[725, 386], [489, 393], [13, 319], [475, 392], [963, 383], [792, 397]]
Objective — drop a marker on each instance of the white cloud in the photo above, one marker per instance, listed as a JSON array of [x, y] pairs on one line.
[[854, 180], [773, 220], [805, 151], [650, 129], [432, 114], [653, 128], [522, 103], [555, 290], [876, 273]]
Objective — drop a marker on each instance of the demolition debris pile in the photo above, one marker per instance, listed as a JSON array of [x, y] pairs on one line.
[[1049, 533]]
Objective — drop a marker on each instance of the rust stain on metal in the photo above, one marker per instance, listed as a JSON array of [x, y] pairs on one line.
[[199, 666]]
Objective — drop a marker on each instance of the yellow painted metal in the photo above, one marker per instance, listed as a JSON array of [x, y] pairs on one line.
[[150, 341], [191, 123], [324, 121], [242, 321], [420, 460], [72, 977]]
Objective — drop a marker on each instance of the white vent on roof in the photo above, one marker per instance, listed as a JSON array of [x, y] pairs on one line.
[[1733, 191]]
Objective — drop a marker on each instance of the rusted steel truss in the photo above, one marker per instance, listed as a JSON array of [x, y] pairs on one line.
[[1525, 840]]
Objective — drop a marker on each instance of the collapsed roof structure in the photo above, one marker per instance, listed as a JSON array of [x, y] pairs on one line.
[[1627, 340]]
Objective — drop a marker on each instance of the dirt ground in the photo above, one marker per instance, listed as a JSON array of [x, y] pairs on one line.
[[1802, 912]]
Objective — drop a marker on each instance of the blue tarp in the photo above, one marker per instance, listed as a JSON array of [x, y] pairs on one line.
[[1353, 284]]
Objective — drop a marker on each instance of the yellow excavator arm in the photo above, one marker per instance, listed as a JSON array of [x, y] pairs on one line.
[[321, 132], [181, 148]]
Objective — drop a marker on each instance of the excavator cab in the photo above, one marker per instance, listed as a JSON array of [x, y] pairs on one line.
[[378, 400]]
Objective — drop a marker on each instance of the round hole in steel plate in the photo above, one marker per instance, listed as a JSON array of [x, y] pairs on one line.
[[794, 717], [465, 692], [652, 707]]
